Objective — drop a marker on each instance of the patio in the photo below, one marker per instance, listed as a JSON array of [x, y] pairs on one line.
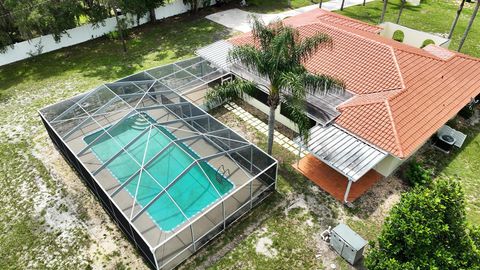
[[332, 181]]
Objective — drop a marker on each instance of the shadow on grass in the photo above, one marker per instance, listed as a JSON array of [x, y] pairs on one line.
[[103, 59]]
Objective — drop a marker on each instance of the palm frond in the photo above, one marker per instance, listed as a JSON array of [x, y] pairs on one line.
[[283, 47], [248, 56], [292, 84], [297, 109], [310, 45], [229, 91], [322, 84], [262, 33]]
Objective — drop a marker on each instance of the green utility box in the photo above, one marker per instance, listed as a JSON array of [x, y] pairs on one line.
[[347, 243]]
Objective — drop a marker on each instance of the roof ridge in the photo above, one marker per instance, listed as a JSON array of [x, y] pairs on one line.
[[351, 102], [347, 104], [394, 128], [338, 16], [397, 66], [429, 55]]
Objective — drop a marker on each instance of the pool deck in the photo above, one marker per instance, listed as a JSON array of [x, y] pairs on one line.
[[144, 224]]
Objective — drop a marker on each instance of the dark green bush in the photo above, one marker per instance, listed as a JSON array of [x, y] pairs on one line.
[[427, 229], [417, 175], [466, 112]]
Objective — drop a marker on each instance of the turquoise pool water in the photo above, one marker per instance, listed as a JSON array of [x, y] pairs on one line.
[[192, 192]]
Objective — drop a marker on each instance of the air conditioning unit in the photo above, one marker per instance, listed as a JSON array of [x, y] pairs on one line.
[[445, 142], [347, 243]]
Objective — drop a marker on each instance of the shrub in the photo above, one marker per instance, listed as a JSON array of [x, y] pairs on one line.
[[466, 112], [427, 229], [417, 175]]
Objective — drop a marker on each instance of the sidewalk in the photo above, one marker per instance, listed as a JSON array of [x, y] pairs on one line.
[[239, 20]]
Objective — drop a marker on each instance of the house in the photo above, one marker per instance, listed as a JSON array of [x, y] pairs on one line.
[[397, 96]]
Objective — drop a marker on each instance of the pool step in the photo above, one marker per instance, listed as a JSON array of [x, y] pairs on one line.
[[140, 123]]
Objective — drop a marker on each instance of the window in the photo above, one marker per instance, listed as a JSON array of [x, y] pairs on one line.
[[260, 96]]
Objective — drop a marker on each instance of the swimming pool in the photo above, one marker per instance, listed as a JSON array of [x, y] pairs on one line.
[[192, 192]]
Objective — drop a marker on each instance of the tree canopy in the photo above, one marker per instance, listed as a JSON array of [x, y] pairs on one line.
[[427, 229], [24, 19]]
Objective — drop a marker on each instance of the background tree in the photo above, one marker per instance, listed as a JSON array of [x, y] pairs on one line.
[[400, 10], [137, 8], [427, 229], [384, 10], [196, 4], [278, 57], [454, 24], [25, 19], [8, 33], [469, 26]]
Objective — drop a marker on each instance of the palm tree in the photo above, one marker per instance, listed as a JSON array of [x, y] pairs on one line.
[[343, 4], [277, 56], [454, 24], [384, 10], [470, 23], [402, 5]]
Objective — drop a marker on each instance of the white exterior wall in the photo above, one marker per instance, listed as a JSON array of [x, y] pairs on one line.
[[265, 109], [388, 165], [412, 37], [44, 44]]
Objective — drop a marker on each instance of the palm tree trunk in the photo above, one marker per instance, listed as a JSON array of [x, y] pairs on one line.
[[470, 23], [320, 4], [271, 129], [384, 10], [363, 4], [402, 5], [343, 4], [454, 24]]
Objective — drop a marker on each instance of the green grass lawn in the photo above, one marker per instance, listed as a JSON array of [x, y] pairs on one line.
[[275, 6], [33, 194], [434, 16]]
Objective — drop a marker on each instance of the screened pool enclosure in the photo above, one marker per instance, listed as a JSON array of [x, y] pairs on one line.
[[170, 175]]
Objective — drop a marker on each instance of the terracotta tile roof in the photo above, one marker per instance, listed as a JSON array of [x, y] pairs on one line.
[[317, 15], [403, 95]]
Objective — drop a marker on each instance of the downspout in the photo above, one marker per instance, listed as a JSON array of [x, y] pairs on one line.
[[345, 197]]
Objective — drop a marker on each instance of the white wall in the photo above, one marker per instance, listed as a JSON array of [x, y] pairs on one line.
[[411, 36], [414, 2], [388, 165], [265, 109], [44, 44]]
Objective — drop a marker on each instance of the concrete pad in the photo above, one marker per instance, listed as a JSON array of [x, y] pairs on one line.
[[239, 20]]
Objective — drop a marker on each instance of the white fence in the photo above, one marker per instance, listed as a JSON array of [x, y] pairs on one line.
[[44, 44], [412, 37]]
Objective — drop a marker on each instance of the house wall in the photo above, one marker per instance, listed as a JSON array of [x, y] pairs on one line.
[[44, 44], [265, 109], [412, 37], [388, 165]]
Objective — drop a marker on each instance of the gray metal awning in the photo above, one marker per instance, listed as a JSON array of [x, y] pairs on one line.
[[217, 53], [343, 152]]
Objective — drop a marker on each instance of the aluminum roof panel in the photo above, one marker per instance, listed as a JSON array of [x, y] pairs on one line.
[[344, 152]]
